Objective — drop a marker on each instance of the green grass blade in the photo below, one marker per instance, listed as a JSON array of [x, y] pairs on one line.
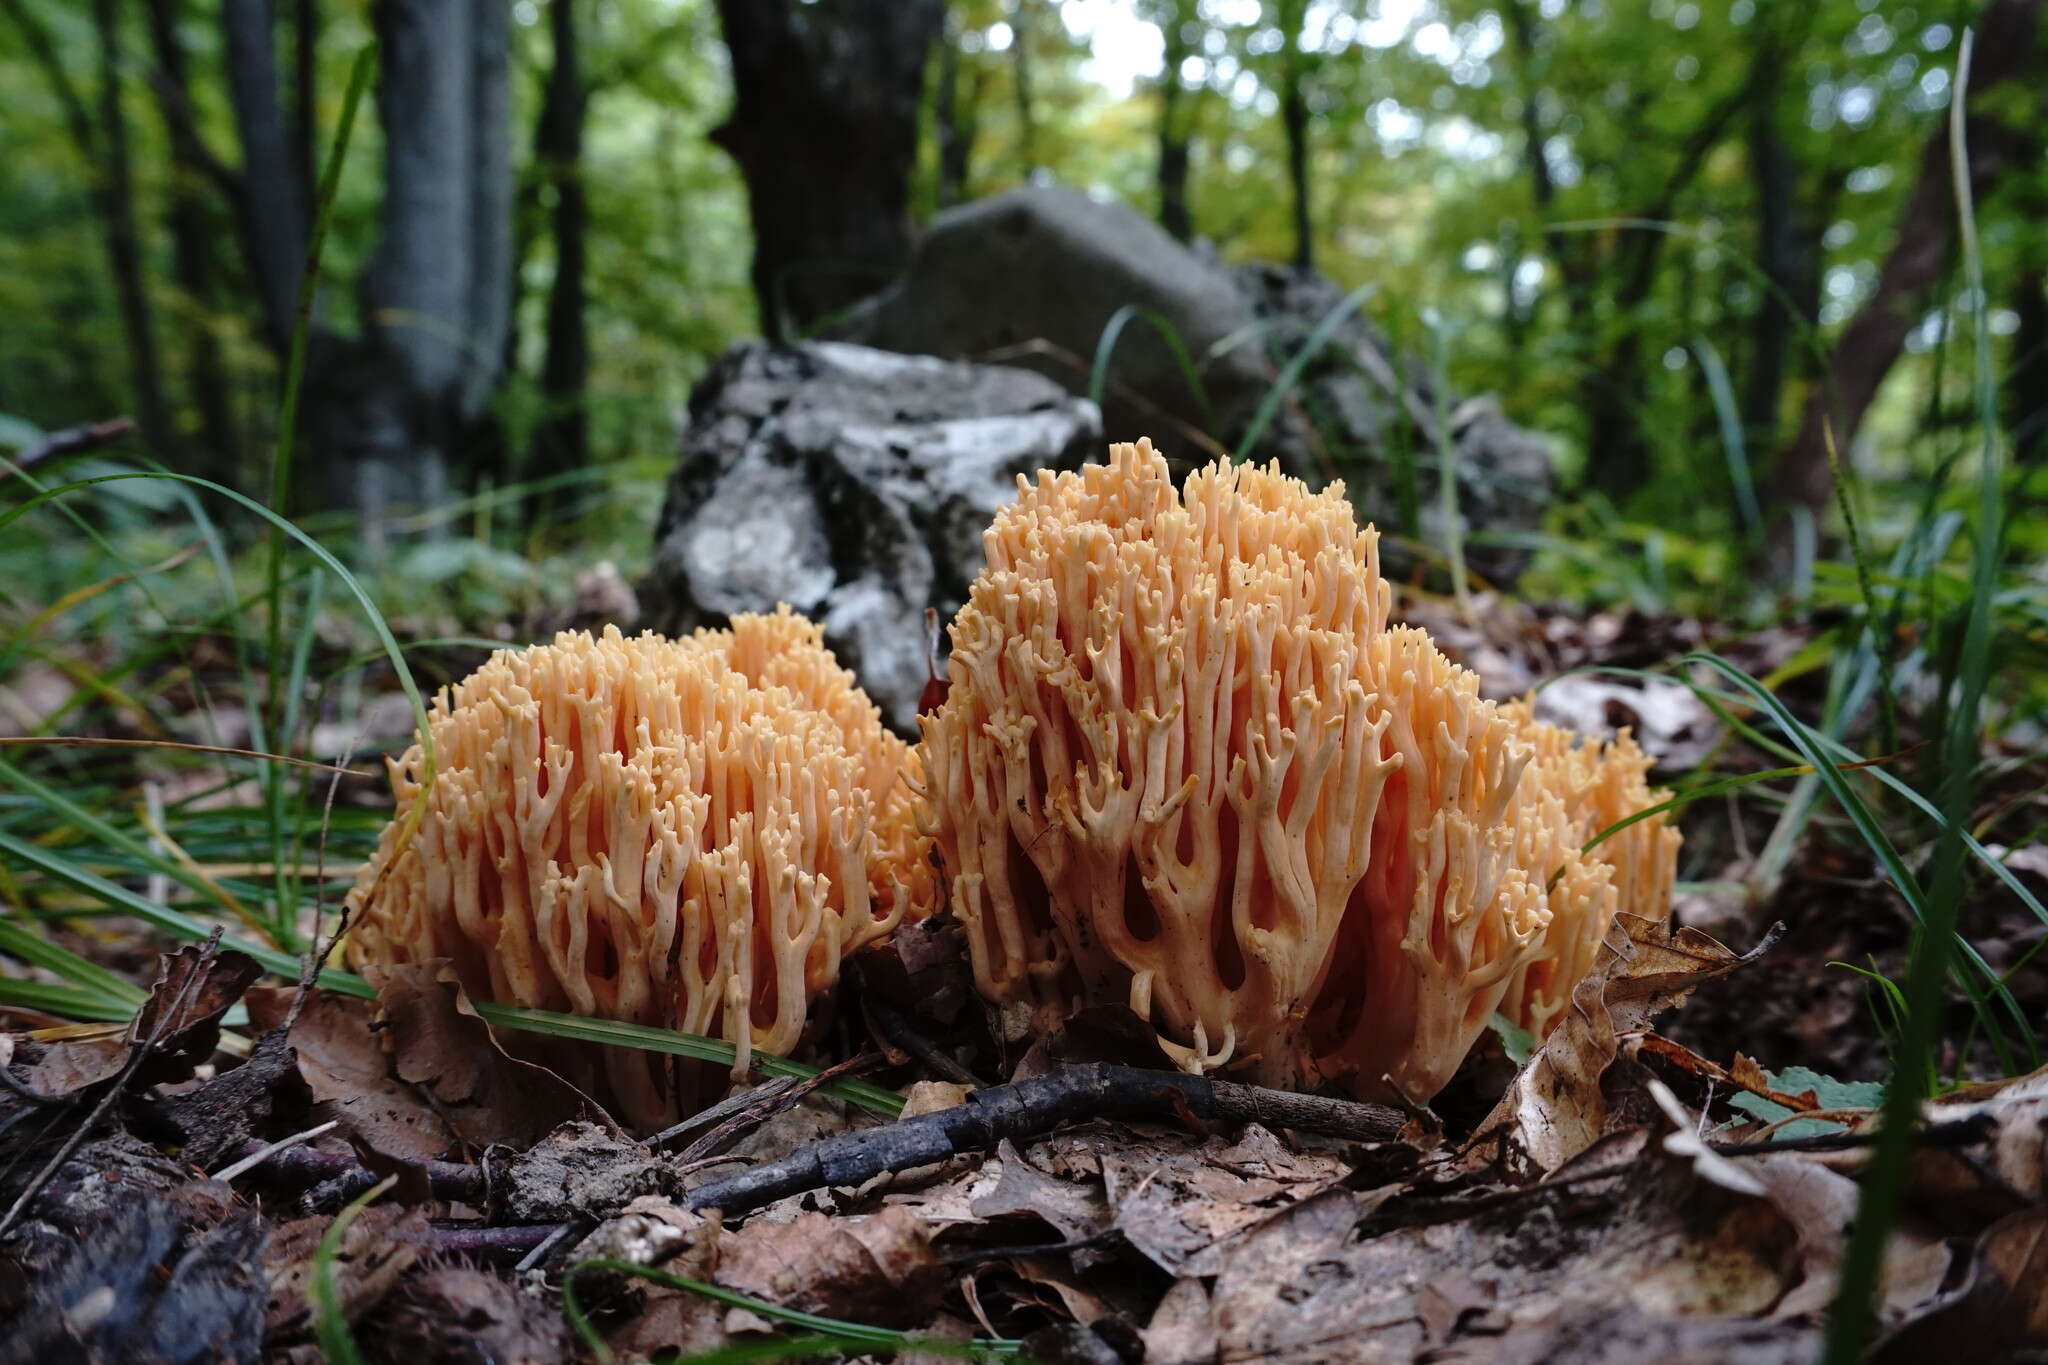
[[1853, 1316], [1269, 406], [1733, 446], [1105, 347], [828, 1329], [33, 948]]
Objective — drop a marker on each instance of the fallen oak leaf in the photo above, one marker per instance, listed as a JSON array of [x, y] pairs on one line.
[[441, 1044], [1556, 1106], [1743, 1074], [344, 1065]]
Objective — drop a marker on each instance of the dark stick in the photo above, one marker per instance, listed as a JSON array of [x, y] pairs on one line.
[[87, 437], [1954, 1133], [766, 1107], [723, 1110], [138, 1054], [1026, 1109], [898, 1032], [452, 1180]]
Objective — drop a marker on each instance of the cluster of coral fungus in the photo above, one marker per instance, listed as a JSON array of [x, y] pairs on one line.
[[688, 834], [1184, 764]]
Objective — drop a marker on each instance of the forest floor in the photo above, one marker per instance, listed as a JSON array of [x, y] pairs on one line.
[[255, 1170]]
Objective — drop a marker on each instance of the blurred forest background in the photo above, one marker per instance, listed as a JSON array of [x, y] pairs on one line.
[[1669, 236]]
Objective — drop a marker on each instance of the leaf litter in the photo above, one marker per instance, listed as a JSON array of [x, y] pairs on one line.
[[1624, 1198]]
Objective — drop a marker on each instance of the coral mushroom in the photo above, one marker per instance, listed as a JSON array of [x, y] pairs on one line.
[[687, 834], [1185, 763]]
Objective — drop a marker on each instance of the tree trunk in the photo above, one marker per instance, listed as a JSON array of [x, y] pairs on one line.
[[2026, 379], [192, 256], [1617, 448], [562, 440], [274, 217], [1174, 215], [1021, 27], [824, 129], [306, 96], [434, 298], [958, 119], [1294, 120], [1875, 336], [104, 149]]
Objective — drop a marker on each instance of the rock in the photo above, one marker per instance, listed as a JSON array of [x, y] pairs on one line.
[[1035, 275], [1371, 414], [1045, 268], [853, 484]]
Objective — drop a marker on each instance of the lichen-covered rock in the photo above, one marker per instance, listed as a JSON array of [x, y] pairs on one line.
[[852, 484]]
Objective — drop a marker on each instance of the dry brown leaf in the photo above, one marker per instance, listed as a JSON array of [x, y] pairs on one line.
[[1556, 1107], [929, 1097], [180, 1021], [441, 1044], [1072, 1209], [377, 1247], [1651, 1246], [878, 1270], [1183, 1327], [1180, 1207], [343, 1063], [2001, 1308], [1820, 1203], [1083, 1305], [456, 1313]]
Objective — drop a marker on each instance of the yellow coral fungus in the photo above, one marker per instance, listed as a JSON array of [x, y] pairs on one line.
[[1185, 763], [687, 834]]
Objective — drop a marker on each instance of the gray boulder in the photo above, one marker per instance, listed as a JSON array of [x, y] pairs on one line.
[[1035, 275], [853, 484]]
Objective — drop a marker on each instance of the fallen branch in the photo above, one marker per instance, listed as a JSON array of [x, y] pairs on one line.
[[1029, 1108], [71, 440], [1950, 1133]]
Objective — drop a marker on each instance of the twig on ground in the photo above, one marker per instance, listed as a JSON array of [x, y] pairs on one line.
[[898, 1032], [723, 1110], [263, 1154], [90, 436], [1954, 1133], [138, 1053], [788, 1097], [1028, 1108], [455, 1181]]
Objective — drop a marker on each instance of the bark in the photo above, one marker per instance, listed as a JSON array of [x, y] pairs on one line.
[[1174, 215], [824, 130], [562, 440], [2026, 380], [1294, 120], [103, 146], [274, 218], [1021, 27], [957, 116], [192, 254], [124, 241], [1617, 451], [434, 297], [1872, 341]]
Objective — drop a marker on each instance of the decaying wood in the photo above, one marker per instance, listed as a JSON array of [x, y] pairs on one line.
[[1032, 1107]]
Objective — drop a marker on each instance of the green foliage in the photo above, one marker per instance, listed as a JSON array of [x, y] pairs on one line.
[[1798, 1080]]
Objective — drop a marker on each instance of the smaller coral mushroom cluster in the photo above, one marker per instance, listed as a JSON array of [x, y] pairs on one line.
[[687, 834], [1185, 763]]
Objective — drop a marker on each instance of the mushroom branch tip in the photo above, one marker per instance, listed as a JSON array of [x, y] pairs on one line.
[[1185, 762], [689, 834]]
